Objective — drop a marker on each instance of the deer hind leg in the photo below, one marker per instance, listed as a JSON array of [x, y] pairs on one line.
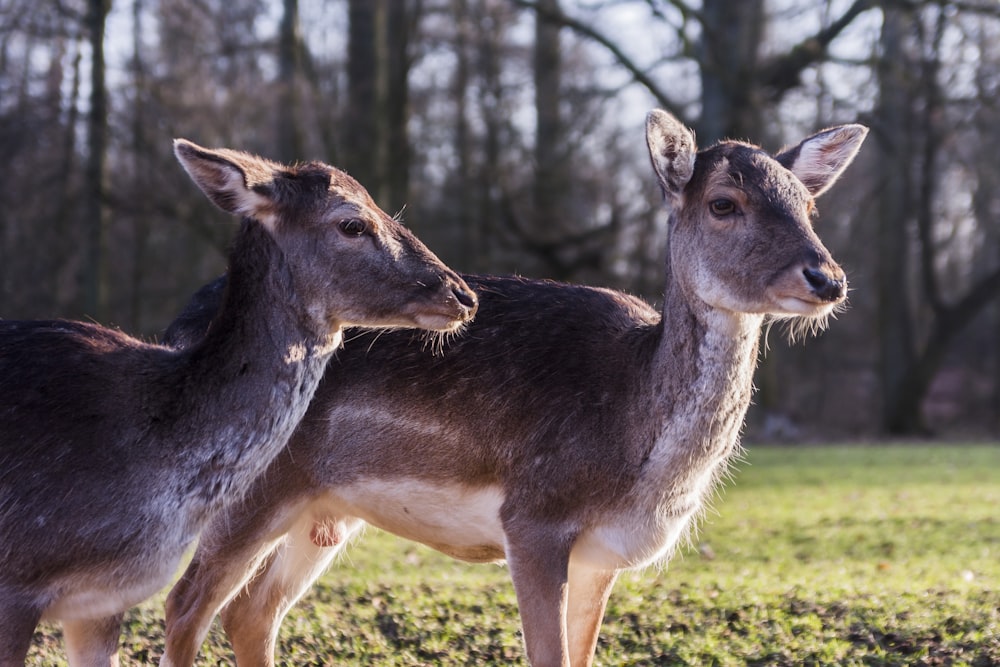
[[252, 619], [93, 642], [539, 570], [589, 590]]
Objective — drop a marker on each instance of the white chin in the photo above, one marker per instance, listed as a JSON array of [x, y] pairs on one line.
[[791, 306], [438, 323]]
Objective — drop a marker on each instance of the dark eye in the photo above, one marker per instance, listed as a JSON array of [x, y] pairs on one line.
[[353, 227], [722, 207]]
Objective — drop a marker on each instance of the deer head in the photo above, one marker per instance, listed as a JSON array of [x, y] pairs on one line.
[[741, 237], [371, 272]]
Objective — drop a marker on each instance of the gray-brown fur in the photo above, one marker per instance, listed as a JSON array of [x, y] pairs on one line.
[[600, 423], [115, 452]]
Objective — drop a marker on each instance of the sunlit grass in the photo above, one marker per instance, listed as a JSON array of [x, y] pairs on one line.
[[882, 555]]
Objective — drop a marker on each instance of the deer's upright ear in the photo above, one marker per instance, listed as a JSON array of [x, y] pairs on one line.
[[236, 182], [672, 151], [819, 160]]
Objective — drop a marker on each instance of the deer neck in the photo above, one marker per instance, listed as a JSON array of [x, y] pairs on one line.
[[703, 380], [257, 368]]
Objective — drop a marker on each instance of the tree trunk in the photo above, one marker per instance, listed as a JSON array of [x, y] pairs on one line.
[[291, 145], [95, 190], [492, 105], [893, 133], [465, 228], [551, 179], [986, 197], [398, 17], [732, 32], [60, 242], [143, 171], [360, 138]]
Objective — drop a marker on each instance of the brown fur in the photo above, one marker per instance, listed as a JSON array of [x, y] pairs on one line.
[[572, 431], [114, 452]]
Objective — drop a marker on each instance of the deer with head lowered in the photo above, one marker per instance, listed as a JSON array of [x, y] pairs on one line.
[[572, 431], [114, 452]]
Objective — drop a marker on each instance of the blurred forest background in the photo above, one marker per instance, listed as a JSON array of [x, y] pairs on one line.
[[510, 134]]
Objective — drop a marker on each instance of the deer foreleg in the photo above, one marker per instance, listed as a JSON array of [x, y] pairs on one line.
[[17, 624], [210, 580], [231, 551], [539, 571]]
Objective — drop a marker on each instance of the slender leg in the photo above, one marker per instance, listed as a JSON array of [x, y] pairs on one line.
[[539, 570], [199, 595], [252, 619], [17, 623], [589, 590], [93, 642], [230, 553]]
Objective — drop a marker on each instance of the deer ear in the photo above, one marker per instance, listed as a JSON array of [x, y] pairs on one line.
[[236, 182], [820, 159], [672, 151]]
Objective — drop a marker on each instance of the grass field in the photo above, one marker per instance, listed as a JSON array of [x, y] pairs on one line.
[[881, 555]]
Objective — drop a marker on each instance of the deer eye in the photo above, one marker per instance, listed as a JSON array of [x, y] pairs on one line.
[[353, 227], [722, 207]]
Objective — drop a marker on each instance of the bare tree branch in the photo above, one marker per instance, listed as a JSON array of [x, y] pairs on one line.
[[984, 8], [948, 324], [778, 76], [783, 73], [561, 18], [686, 10]]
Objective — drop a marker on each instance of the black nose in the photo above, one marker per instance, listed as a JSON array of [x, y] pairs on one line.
[[825, 287], [466, 298]]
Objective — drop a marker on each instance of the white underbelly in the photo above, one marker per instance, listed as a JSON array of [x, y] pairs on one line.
[[461, 521], [464, 522], [90, 596], [629, 541]]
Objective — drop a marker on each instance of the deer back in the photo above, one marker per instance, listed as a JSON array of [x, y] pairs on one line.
[[530, 369]]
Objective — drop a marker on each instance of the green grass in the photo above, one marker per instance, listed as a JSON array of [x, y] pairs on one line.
[[881, 555]]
